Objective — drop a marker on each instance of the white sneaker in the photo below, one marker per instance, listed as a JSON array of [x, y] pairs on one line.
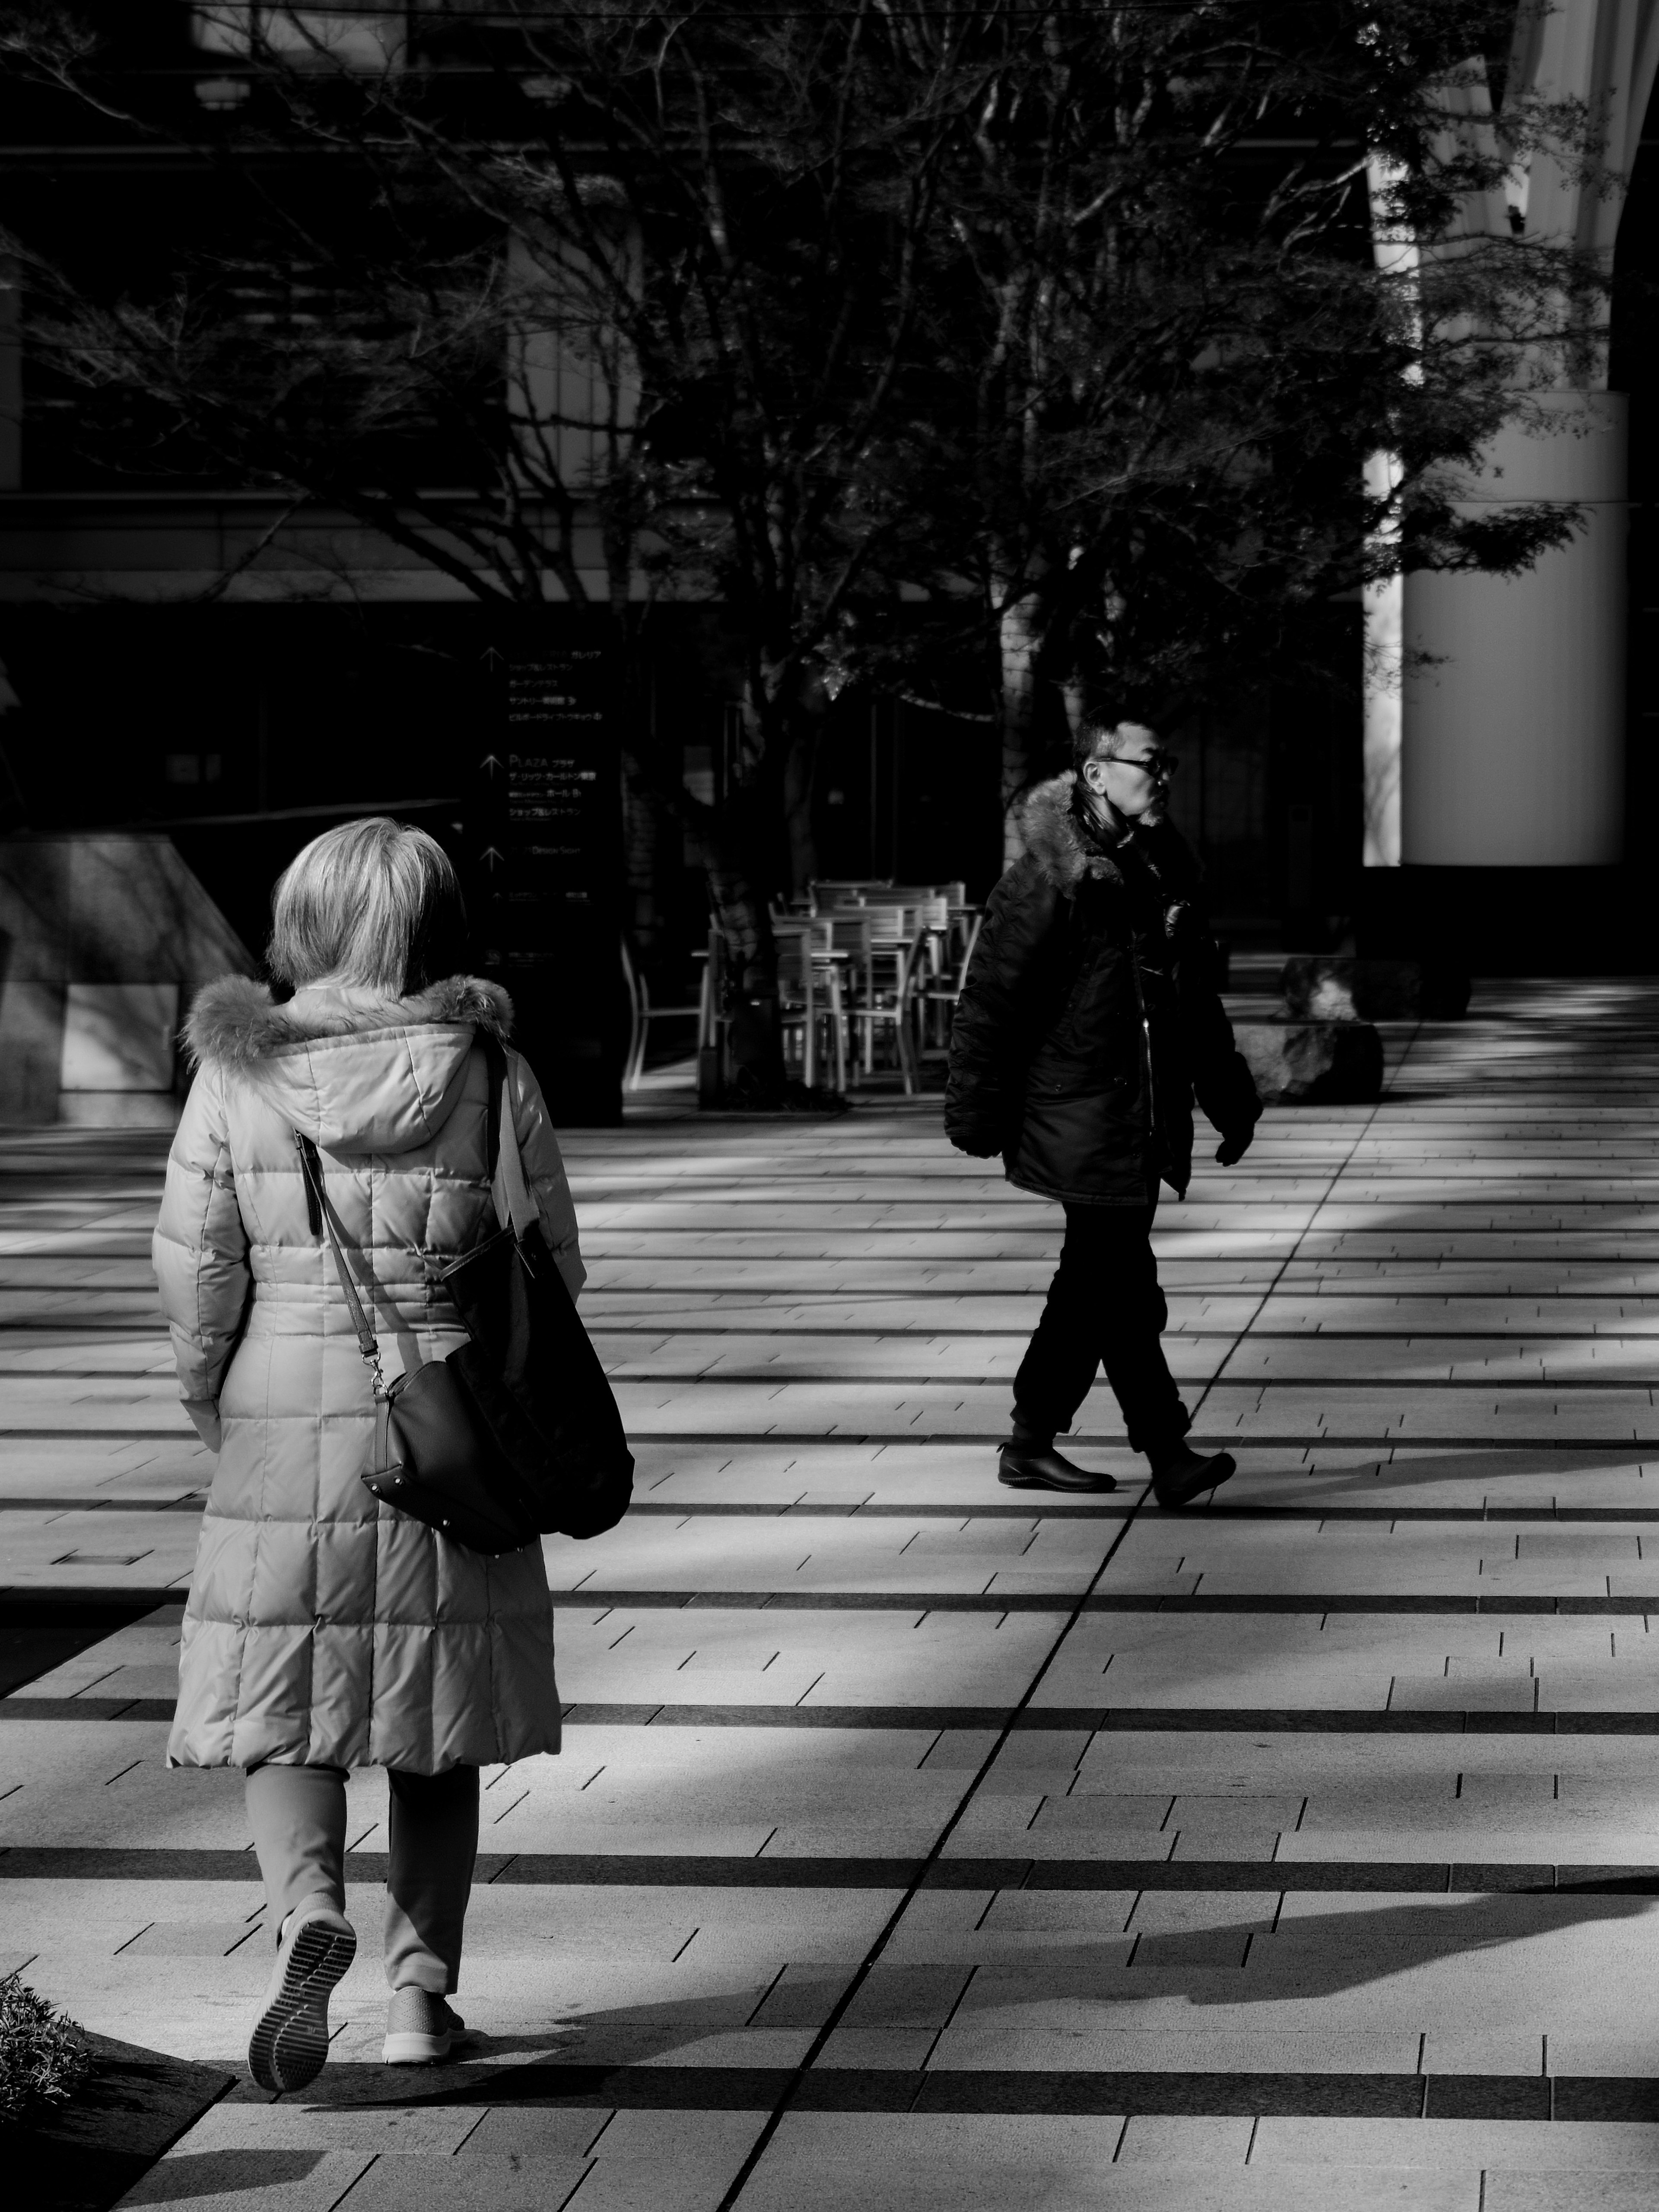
[[420, 2028], [289, 2041]]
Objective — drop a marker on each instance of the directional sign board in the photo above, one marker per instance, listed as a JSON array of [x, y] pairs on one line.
[[546, 855]]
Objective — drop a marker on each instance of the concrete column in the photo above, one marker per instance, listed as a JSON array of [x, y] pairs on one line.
[[1513, 741], [1511, 747], [11, 378], [1384, 606]]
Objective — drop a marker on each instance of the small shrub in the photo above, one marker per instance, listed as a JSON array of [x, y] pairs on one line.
[[43, 2057]]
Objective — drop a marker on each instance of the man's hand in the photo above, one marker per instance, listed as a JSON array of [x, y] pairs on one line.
[[1233, 1148], [978, 1144]]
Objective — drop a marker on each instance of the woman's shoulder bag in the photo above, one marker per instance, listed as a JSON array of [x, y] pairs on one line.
[[516, 1433]]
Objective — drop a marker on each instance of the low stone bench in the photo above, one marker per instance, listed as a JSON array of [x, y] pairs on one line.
[[1321, 1063], [1334, 986]]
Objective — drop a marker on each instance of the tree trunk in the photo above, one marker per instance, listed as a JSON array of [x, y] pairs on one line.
[[758, 836], [1019, 640], [744, 863], [743, 916], [641, 772], [799, 774]]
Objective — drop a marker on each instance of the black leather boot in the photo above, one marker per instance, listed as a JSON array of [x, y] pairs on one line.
[[1032, 1463], [1180, 1475]]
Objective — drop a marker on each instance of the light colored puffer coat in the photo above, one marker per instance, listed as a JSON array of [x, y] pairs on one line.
[[324, 1628]]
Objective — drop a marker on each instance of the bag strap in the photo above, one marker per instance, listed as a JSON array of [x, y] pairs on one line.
[[318, 1210], [495, 1070], [514, 1201]]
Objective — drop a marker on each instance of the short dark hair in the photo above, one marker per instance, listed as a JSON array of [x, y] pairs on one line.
[[1094, 737]]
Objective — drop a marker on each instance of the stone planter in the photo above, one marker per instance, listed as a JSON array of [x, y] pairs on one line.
[[1334, 986], [1316, 1063], [85, 2155]]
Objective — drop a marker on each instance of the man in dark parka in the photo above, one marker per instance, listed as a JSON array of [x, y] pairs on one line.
[[1089, 1021]]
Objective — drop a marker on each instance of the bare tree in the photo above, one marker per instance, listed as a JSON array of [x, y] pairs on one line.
[[1166, 348], [652, 278], [1059, 319]]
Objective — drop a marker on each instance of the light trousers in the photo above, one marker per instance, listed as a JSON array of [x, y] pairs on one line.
[[298, 1816]]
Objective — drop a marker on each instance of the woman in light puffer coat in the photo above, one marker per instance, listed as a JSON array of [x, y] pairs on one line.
[[324, 1629]]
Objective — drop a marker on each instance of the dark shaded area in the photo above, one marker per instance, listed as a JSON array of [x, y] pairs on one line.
[[40, 1633], [698, 1870], [86, 2156], [1512, 922], [1136, 1720], [244, 732], [883, 2089]]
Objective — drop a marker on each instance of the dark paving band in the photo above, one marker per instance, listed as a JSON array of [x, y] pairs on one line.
[[1090, 1720], [652, 1870], [1201, 1439], [589, 1599], [1017, 2092], [988, 1439], [877, 1509], [1511, 1385], [993, 1600]]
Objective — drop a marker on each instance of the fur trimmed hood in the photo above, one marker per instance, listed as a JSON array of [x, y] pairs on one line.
[[352, 1069], [236, 1023], [1067, 850], [1051, 833]]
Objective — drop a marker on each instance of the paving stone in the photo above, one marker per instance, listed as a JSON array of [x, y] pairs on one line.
[[1165, 2141], [529, 2183], [890, 2163], [1563, 2191], [1430, 1327], [1459, 2145], [672, 2161], [534, 2131], [293, 2124], [192, 2180]]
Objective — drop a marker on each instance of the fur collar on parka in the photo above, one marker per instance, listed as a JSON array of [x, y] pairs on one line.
[[1066, 849], [236, 1023]]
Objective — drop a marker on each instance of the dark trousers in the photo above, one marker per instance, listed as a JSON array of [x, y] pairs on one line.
[[1104, 1308]]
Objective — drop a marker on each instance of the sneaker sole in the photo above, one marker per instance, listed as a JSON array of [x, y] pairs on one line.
[[290, 2042], [408, 2049]]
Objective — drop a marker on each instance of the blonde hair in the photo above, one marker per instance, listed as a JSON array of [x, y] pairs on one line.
[[374, 904]]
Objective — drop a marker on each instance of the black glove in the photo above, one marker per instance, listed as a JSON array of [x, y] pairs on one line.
[[1233, 1148], [978, 1144]]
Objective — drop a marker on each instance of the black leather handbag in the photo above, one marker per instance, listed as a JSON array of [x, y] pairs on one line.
[[515, 1434]]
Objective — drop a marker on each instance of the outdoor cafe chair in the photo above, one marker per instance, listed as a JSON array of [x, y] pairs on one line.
[[849, 933], [942, 995], [894, 923], [891, 1002], [809, 992], [642, 1013], [830, 893], [889, 930]]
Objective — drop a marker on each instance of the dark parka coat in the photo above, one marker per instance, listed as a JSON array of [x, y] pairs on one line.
[[1090, 1017]]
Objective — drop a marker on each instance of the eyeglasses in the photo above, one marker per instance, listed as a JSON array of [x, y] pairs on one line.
[[1160, 763]]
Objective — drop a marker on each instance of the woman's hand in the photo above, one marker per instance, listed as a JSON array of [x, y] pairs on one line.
[[204, 1413]]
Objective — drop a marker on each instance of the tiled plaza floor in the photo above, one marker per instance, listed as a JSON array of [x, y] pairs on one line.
[[917, 1844]]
